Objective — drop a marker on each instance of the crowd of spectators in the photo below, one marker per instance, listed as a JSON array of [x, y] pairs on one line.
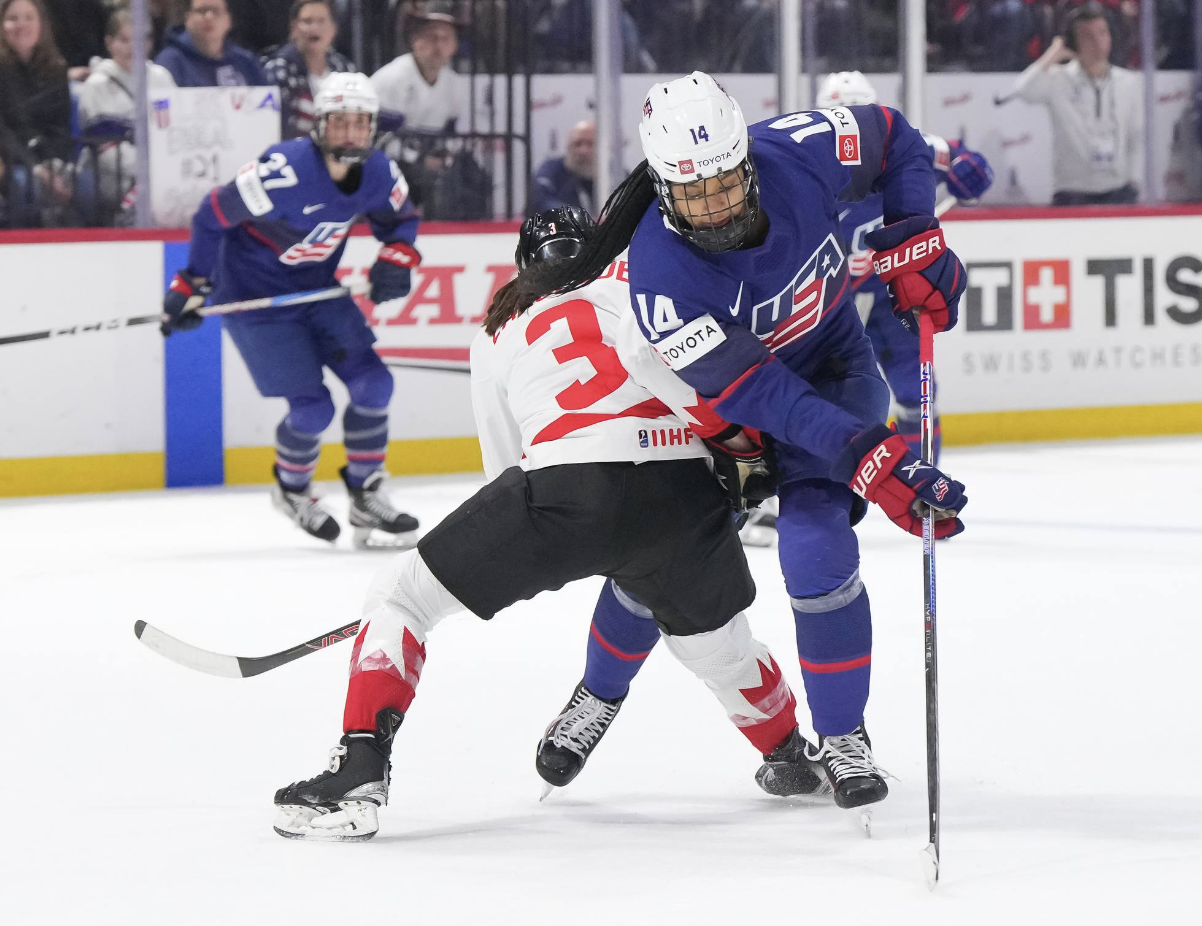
[[66, 83]]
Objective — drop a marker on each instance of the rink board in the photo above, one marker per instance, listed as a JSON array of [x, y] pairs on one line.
[[1076, 324]]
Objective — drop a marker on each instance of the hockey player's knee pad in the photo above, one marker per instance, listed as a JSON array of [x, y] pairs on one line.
[[406, 587], [720, 656], [369, 381], [310, 414]]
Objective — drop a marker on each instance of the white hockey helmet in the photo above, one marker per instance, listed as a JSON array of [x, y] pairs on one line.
[[845, 88], [692, 130], [345, 93]]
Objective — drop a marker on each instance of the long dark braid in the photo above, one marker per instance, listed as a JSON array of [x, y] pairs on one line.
[[619, 219]]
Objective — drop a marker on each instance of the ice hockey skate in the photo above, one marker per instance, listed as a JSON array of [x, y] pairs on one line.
[[760, 528], [851, 769], [340, 804], [378, 526], [787, 771], [302, 509], [572, 737]]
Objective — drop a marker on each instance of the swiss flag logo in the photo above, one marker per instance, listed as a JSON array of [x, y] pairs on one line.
[[686, 166], [849, 149], [1047, 294]]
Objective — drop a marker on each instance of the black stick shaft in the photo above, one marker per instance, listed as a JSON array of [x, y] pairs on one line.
[[257, 665], [931, 673]]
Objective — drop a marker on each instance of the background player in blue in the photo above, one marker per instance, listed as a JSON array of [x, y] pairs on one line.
[[280, 227], [739, 280], [968, 175]]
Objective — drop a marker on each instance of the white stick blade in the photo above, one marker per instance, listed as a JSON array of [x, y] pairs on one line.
[[930, 865], [189, 656]]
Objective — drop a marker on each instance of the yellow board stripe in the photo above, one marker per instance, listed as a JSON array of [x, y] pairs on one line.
[[252, 465], [125, 472]]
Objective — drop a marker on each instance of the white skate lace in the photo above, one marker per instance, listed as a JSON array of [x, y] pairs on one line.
[[581, 725], [337, 754], [305, 509], [848, 757]]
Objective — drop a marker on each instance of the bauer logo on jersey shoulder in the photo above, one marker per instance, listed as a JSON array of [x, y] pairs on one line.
[[696, 339], [847, 134], [250, 186]]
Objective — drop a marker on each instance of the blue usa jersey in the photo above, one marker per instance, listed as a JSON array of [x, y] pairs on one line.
[[280, 226], [753, 330], [857, 219]]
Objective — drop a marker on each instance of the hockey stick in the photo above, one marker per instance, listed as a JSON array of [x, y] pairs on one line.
[[202, 660], [944, 204], [926, 357], [248, 305]]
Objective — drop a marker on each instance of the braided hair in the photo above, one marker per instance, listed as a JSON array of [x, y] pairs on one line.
[[619, 218]]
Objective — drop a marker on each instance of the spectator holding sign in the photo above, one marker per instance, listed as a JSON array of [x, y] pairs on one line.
[[1096, 110], [199, 53], [299, 67]]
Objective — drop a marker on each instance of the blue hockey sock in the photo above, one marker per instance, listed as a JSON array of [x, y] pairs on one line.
[[296, 454], [365, 431], [621, 637], [834, 646]]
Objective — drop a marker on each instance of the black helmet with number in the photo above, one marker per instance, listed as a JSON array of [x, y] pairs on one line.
[[553, 235]]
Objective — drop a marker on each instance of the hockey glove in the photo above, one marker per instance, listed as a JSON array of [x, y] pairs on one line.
[[185, 295], [878, 465], [748, 477], [969, 176], [923, 275], [390, 274]]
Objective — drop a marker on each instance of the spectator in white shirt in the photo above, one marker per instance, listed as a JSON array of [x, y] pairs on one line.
[[418, 90], [1096, 110]]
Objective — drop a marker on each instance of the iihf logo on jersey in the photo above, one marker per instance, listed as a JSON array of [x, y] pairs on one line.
[[798, 308], [319, 244]]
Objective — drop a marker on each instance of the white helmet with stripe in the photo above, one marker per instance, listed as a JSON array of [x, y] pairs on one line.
[[692, 130], [845, 88], [345, 93]]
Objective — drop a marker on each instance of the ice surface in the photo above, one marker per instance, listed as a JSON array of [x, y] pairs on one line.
[[140, 792]]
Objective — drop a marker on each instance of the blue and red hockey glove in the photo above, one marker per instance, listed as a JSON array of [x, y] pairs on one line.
[[185, 295], [879, 466], [922, 274], [390, 276], [969, 175]]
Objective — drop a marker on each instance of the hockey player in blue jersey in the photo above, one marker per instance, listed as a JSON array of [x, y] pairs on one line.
[[280, 227], [967, 175], [739, 280]]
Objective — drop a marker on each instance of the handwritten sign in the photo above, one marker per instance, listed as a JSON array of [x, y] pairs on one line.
[[199, 137]]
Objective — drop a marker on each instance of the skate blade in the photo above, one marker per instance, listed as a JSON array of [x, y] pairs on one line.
[[368, 538], [548, 789], [353, 821], [866, 822]]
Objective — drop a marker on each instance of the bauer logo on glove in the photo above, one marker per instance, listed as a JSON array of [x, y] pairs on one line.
[[922, 274]]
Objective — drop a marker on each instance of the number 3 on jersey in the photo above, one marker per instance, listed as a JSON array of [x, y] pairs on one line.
[[587, 344]]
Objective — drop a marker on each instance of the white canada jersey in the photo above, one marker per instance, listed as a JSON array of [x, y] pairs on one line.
[[573, 380]]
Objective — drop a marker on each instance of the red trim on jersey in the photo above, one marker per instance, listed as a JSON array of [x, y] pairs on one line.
[[730, 390], [613, 650], [824, 668], [888, 128], [259, 236], [574, 421], [217, 208]]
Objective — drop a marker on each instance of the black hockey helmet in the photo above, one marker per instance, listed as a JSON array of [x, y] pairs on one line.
[[553, 235]]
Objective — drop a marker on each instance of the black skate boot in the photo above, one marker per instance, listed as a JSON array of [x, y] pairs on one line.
[[371, 510], [340, 804], [851, 769], [786, 770], [572, 737], [303, 510]]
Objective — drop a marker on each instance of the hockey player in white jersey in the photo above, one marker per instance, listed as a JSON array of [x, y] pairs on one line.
[[597, 468]]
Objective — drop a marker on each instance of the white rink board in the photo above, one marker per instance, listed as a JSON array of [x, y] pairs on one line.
[[93, 392], [1034, 331]]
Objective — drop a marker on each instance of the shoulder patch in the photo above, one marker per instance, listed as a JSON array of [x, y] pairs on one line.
[[847, 134], [696, 339], [400, 189], [250, 185]]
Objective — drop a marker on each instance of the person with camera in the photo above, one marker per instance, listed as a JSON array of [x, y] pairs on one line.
[[1096, 111]]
